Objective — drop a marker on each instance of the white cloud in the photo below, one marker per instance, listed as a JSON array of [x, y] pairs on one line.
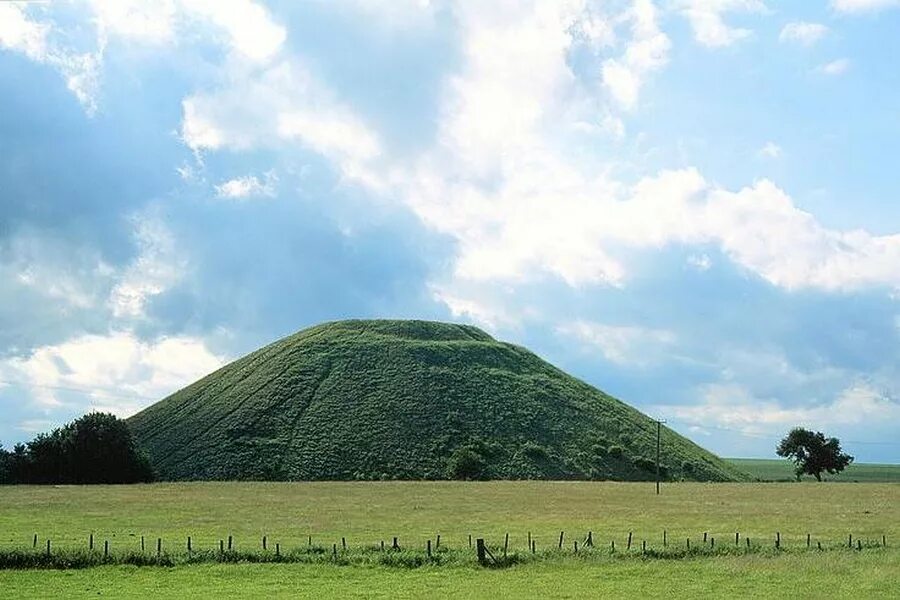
[[701, 262], [647, 51], [770, 150], [624, 345], [147, 22], [289, 104], [732, 406], [157, 267], [116, 372], [835, 67], [19, 33], [248, 186], [248, 26], [707, 19], [802, 32], [860, 6]]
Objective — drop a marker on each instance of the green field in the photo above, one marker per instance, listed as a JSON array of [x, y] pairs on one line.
[[763, 469], [366, 513]]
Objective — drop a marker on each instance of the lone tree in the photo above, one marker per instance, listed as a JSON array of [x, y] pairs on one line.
[[813, 453]]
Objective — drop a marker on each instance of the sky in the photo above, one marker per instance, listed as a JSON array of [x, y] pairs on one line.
[[690, 204]]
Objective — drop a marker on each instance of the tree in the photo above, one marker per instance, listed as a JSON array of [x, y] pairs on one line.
[[96, 448], [813, 453]]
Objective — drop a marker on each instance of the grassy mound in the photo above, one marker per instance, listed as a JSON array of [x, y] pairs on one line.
[[405, 400]]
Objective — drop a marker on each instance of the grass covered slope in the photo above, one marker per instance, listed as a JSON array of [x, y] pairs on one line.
[[405, 400]]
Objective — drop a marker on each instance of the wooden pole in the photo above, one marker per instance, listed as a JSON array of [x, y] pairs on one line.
[[479, 551], [142, 543], [428, 548], [505, 545], [628, 547], [665, 542], [229, 543], [437, 542], [277, 549], [48, 546], [561, 534], [158, 546], [91, 542], [105, 548], [34, 541], [264, 543]]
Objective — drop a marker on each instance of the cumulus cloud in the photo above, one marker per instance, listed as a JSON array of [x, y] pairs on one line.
[[861, 6], [733, 406], [289, 104], [835, 67], [621, 344], [20, 33], [157, 266], [647, 51], [770, 150], [707, 19], [802, 32], [248, 186], [116, 372]]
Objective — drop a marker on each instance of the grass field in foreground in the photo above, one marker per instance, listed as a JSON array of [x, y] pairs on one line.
[[798, 576], [764, 469], [415, 511], [365, 513]]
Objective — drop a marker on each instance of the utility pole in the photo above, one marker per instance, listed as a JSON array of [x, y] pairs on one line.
[[658, 430]]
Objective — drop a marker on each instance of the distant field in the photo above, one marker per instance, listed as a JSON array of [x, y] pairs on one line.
[[365, 513], [782, 470]]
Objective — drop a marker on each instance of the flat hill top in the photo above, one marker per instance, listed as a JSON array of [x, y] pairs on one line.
[[389, 399]]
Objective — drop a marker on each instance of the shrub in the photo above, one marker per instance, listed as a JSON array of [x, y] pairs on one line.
[[465, 463]]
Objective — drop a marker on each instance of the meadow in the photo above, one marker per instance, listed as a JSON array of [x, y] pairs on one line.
[[366, 513], [763, 469]]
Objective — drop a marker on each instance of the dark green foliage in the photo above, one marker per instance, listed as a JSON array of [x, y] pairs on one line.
[[401, 400], [813, 453], [96, 448], [465, 463]]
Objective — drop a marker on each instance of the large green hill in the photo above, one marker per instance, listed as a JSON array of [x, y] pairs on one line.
[[405, 400]]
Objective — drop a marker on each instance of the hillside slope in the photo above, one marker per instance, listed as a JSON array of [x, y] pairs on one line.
[[405, 400]]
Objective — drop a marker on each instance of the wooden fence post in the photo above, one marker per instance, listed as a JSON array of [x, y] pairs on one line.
[[334, 550], [277, 549], [142, 543], [48, 546], [428, 548], [689, 544], [189, 545], [778, 539], [850, 541], [529, 539], [665, 542], [264, 543], [643, 545], [712, 543], [629, 541], [533, 546], [230, 546], [105, 548], [309, 540], [561, 534], [505, 545], [437, 542], [91, 542], [343, 543], [589, 541], [221, 546], [737, 538], [470, 540], [34, 541], [382, 545], [158, 546], [612, 546], [479, 550], [704, 536], [808, 540], [396, 545], [576, 546]]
